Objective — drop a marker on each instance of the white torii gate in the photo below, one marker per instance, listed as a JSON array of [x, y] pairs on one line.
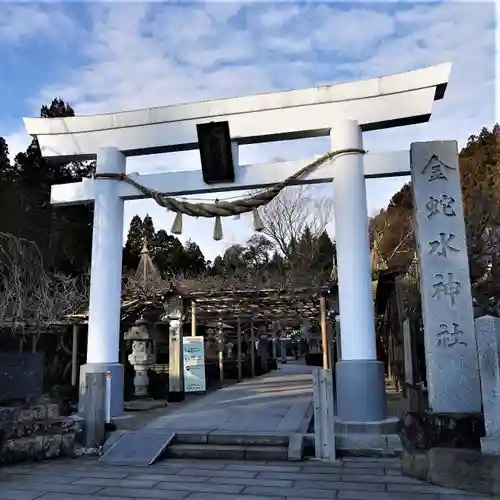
[[341, 111]]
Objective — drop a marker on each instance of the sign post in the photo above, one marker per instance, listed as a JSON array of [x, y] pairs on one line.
[[194, 364], [108, 397]]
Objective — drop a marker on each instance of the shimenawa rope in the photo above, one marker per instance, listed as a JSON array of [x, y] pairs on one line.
[[225, 208]]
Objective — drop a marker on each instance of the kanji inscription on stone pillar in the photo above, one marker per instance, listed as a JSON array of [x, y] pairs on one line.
[[450, 344]]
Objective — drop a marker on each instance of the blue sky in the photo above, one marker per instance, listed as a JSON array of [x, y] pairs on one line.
[[104, 57]]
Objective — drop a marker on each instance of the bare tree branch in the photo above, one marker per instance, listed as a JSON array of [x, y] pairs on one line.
[[287, 216], [28, 295]]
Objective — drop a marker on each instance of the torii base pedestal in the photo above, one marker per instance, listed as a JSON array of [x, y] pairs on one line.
[[117, 384], [360, 386]]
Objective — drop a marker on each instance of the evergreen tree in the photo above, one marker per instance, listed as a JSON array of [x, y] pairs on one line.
[[4, 160], [217, 268], [133, 245], [480, 173], [194, 260], [325, 254], [168, 254], [74, 170], [148, 231], [277, 263], [63, 235], [257, 254], [234, 261], [480, 179], [57, 108]]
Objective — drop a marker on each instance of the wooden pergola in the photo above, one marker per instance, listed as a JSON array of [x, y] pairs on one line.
[[276, 306], [257, 305], [211, 305]]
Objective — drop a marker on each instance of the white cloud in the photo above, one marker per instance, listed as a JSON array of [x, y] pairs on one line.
[[152, 54], [21, 21], [222, 10], [17, 142], [351, 32]]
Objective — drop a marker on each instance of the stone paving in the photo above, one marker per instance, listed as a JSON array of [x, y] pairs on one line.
[[88, 479], [275, 403]]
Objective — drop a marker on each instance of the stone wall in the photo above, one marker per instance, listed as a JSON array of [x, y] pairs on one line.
[[37, 433]]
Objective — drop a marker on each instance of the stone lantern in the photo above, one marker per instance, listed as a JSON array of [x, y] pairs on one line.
[[142, 357], [211, 347]]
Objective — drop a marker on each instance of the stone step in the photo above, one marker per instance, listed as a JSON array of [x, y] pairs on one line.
[[368, 445], [37, 448], [36, 413], [60, 425], [227, 452], [369, 452], [228, 439], [248, 440]]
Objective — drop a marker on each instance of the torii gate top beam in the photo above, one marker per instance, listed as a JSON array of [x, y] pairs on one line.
[[376, 103]]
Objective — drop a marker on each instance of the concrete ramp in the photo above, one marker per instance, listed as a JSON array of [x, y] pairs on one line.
[[140, 448]]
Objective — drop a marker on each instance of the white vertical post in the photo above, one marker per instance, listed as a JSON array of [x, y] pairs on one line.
[[106, 270], [103, 345], [352, 245], [108, 397], [359, 376], [324, 340]]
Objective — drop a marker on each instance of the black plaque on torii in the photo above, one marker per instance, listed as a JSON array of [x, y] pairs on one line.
[[214, 141]]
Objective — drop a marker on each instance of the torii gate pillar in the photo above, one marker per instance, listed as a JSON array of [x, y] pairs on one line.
[[103, 344], [360, 379]]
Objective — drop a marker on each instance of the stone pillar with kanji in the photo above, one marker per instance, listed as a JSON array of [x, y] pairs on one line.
[[449, 334]]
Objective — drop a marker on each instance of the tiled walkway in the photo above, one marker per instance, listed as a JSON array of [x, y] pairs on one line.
[[87, 479], [273, 403]]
